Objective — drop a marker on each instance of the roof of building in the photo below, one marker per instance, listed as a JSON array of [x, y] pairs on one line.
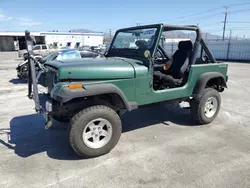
[[17, 33], [42, 33], [72, 33]]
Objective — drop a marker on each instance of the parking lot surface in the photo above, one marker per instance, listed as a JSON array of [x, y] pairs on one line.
[[159, 147]]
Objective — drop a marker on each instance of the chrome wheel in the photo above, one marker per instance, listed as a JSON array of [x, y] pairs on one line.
[[97, 133], [211, 107]]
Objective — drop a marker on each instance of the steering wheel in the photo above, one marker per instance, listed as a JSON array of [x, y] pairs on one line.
[[162, 61], [161, 56]]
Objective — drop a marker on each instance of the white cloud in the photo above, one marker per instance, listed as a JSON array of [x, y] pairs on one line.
[[4, 17], [28, 22], [22, 21]]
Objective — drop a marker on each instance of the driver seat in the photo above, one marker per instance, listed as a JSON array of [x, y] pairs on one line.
[[181, 60]]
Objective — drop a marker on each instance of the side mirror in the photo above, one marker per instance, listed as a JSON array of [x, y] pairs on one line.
[[147, 54]]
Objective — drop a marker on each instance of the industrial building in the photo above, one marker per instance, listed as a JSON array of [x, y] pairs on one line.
[[11, 41]]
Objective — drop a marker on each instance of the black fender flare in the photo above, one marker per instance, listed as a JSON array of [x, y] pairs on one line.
[[203, 80], [67, 94]]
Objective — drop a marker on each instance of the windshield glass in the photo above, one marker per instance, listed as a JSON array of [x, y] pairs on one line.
[[135, 39], [69, 55], [132, 43]]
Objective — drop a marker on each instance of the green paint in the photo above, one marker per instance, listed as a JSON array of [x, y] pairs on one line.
[[132, 76]]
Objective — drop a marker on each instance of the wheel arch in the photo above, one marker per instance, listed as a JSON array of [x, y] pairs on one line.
[[214, 80], [98, 92]]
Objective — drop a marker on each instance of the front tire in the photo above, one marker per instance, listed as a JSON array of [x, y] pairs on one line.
[[205, 108], [95, 131]]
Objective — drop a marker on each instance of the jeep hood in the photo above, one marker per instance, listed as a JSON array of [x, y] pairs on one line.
[[94, 69]]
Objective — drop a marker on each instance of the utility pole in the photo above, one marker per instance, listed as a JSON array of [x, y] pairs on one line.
[[110, 34], [229, 43], [225, 22]]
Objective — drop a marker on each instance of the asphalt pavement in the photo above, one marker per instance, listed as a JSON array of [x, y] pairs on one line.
[[160, 146]]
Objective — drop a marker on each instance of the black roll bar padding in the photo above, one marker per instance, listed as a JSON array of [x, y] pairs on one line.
[[197, 40], [196, 44], [209, 54]]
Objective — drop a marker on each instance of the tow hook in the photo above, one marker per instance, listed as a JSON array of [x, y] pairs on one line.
[[48, 123]]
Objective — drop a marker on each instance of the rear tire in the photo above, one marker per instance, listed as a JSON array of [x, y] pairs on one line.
[[95, 131], [205, 108]]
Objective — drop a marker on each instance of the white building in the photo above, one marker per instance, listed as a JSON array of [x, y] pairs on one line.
[[10, 41], [73, 40]]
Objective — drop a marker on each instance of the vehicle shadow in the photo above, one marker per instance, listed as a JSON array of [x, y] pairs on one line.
[[164, 114], [28, 137], [18, 81]]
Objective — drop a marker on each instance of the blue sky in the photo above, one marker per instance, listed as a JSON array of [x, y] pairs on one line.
[[102, 15]]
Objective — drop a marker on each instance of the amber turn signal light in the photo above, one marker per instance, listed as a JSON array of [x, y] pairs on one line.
[[75, 86]]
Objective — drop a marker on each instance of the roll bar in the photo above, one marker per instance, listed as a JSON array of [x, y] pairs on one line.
[[198, 40]]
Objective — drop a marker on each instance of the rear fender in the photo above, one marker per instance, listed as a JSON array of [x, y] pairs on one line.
[[205, 78]]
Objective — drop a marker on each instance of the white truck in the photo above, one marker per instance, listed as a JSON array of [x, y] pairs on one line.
[[40, 49]]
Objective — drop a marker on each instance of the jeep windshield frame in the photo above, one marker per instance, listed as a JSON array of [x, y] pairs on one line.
[[148, 37], [113, 51]]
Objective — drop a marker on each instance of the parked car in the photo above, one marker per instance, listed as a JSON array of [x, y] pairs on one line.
[[84, 47], [22, 68], [102, 47], [41, 49], [89, 53]]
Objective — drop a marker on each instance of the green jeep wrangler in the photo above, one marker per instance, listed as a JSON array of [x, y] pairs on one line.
[[136, 71]]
